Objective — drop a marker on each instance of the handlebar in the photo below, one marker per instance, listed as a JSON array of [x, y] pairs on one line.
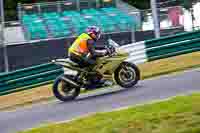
[[111, 50]]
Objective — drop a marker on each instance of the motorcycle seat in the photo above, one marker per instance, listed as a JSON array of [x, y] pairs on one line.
[[69, 62], [72, 63]]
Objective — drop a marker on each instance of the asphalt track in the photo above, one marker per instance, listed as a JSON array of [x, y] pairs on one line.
[[146, 91]]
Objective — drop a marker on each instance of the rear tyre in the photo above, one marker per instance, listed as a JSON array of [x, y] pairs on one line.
[[64, 91], [127, 75]]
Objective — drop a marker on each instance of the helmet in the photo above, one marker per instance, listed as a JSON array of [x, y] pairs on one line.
[[94, 32]]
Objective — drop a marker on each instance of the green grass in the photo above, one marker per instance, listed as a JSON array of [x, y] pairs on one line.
[[178, 115]]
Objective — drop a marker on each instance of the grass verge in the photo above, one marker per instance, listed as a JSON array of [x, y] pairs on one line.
[[178, 115], [149, 69]]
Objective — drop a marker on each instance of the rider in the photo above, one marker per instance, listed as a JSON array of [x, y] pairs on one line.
[[83, 50]]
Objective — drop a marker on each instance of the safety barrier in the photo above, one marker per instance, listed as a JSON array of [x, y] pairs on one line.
[[140, 52], [28, 78], [164, 47]]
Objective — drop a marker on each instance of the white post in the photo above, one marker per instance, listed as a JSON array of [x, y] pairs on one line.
[[155, 18], [78, 5], [59, 6], [2, 37]]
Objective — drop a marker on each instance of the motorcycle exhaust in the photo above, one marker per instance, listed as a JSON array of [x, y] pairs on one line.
[[70, 81]]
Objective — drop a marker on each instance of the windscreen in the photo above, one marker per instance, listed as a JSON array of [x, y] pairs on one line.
[[113, 43]]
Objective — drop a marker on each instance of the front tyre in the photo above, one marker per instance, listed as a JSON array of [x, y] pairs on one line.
[[127, 75], [64, 91]]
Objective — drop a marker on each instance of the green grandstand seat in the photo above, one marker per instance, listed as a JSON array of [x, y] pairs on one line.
[[43, 35], [62, 24], [94, 18], [33, 16], [57, 34], [51, 22], [28, 19], [125, 23], [110, 10], [52, 15], [79, 21], [90, 12], [34, 26], [58, 28], [55, 28], [61, 33], [85, 11], [38, 34], [106, 27], [71, 14], [37, 29], [93, 22], [74, 22], [107, 20], [81, 27]]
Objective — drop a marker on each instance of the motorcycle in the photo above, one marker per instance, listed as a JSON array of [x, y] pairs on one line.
[[108, 70]]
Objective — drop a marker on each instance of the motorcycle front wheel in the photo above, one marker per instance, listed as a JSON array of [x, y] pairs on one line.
[[127, 75], [64, 91]]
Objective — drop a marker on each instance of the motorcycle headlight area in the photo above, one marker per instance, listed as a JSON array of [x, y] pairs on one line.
[[69, 71]]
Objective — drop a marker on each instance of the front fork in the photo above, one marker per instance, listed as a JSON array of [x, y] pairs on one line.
[[81, 77]]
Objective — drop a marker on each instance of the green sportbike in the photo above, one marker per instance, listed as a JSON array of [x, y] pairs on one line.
[[108, 71]]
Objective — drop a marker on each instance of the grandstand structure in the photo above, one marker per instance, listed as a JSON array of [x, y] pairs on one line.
[[70, 18]]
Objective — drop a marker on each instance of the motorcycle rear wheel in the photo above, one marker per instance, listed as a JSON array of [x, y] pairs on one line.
[[127, 75], [64, 91]]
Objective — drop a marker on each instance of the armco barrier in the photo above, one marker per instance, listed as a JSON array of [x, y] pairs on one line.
[[28, 78], [172, 39], [174, 54], [139, 53], [27, 72], [163, 47], [173, 48]]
